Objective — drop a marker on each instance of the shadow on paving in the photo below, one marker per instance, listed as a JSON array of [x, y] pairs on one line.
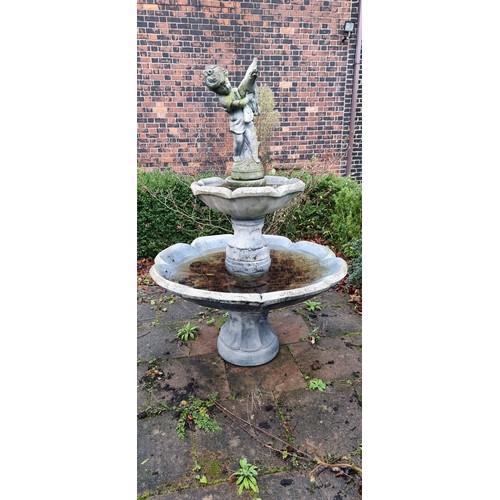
[[274, 400]]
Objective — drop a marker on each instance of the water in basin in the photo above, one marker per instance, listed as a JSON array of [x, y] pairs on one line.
[[232, 188], [288, 270]]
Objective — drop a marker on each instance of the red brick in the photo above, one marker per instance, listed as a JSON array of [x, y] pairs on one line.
[[181, 45]]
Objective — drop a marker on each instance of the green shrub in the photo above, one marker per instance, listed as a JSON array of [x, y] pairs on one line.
[[355, 278], [329, 208], [266, 123], [168, 213]]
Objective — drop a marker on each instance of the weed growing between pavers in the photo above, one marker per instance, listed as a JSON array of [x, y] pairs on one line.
[[246, 477], [313, 338], [191, 414], [316, 384], [312, 305], [187, 332], [194, 413]]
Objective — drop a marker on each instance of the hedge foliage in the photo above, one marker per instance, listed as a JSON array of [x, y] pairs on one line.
[[355, 278], [329, 208], [168, 213]]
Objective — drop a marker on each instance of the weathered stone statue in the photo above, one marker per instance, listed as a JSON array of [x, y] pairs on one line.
[[242, 105]]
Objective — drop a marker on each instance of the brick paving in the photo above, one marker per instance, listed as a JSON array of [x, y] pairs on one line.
[[274, 397]]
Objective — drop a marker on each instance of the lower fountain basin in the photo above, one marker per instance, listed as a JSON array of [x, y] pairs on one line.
[[169, 262], [197, 273]]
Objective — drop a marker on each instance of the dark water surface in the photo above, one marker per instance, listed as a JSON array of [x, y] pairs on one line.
[[232, 188], [288, 270]]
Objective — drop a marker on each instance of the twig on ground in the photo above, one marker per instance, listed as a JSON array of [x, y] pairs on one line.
[[321, 464], [225, 410], [337, 466]]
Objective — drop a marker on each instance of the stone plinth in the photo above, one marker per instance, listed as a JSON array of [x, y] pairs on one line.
[[247, 253]]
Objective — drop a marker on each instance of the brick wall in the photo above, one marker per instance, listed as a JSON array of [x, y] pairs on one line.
[[356, 170], [302, 57]]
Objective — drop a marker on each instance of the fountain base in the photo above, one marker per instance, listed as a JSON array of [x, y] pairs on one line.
[[247, 169], [247, 339]]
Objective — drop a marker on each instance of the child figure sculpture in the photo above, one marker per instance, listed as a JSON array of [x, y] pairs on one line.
[[241, 104]]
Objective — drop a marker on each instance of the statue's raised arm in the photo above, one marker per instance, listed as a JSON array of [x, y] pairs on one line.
[[247, 86]]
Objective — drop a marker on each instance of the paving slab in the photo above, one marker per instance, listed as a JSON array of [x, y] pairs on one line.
[[337, 315], [333, 298], [336, 322], [182, 310], [329, 359], [222, 491], [237, 440], [200, 375], [289, 326], [147, 292], [296, 485], [353, 339], [205, 342], [324, 422], [182, 377], [158, 324], [145, 312], [163, 460], [145, 398], [159, 341], [157, 335], [280, 374]]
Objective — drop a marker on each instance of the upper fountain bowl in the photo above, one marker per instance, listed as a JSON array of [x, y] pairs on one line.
[[247, 202]]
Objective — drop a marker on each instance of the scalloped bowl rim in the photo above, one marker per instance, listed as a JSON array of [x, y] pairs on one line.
[[208, 244], [213, 186]]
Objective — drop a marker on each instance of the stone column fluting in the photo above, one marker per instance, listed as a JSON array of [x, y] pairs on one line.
[[247, 253], [247, 339]]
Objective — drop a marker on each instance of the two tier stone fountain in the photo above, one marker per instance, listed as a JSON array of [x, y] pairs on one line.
[[246, 273]]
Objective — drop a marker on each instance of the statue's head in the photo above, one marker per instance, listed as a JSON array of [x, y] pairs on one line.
[[215, 78]]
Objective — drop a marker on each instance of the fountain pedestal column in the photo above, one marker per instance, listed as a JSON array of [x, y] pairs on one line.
[[247, 339], [247, 253]]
